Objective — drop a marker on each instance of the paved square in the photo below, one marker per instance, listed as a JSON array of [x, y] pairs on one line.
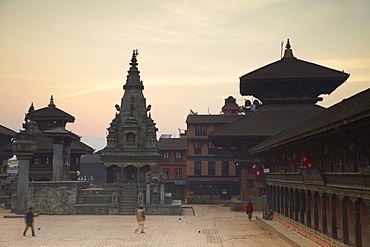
[[212, 225]]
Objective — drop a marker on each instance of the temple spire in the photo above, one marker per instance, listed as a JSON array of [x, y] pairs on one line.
[[135, 53], [288, 52], [32, 108], [51, 104]]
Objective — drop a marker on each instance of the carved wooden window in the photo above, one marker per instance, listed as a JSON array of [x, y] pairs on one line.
[[178, 156], [201, 130], [178, 173], [225, 168], [211, 148], [197, 147], [166, 156], [211, 168], [197, 168], [166, 171]]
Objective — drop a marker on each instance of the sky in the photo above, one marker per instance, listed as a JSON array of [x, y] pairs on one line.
[[191, 53]]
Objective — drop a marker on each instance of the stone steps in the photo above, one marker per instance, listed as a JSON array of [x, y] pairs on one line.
[[127, 205]]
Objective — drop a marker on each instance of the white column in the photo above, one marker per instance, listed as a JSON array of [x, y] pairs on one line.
[[147, 194]]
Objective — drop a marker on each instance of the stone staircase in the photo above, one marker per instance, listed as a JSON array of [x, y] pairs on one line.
[[128, 199], [95, 201], [99, 200]]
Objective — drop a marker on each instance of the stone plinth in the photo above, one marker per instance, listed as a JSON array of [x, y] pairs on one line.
[[52, 197], [164, 209]]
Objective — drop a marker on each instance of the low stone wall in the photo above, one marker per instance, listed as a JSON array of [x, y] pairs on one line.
[[165, 209], [241, 206], [317, 237], [51, 197]]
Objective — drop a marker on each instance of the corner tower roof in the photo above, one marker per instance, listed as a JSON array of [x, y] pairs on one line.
[[291, 80]]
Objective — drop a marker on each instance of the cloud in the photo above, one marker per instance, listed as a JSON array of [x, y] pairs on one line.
[[84, 92]]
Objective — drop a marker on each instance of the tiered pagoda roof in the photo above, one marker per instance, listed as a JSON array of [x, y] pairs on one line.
[[291, 80]]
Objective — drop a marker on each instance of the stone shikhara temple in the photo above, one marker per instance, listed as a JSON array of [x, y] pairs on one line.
[[49, 155], [131, 157]]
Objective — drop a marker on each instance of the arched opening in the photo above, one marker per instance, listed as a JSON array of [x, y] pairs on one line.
[[325, 213], [361, 221], [351, 221], [112, 174], [131, 174], [130, 137]]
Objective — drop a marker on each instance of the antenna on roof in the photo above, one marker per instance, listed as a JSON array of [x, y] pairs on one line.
[[281, 49]]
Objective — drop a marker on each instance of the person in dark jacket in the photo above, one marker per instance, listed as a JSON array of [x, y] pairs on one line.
[[249, 210], [29, 222]]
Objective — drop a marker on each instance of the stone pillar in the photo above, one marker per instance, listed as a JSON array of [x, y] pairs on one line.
[[343, 205], [162, 194], [316, 213], [57, 159], [281, 200], [302, 206], [105, 175], [66, 160], [308, 210], [286, 204], [358, 232], [324, 223], [296, 206], [23, 147], [333, 214], [278, 200], [291, 204], [368, 218], [274, 196], [147, 194]]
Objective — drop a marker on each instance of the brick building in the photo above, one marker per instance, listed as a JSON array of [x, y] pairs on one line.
[[212, 173], [173, 153]]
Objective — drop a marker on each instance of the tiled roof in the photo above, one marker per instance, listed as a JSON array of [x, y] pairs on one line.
[[45, 144], [292, 68], [348, 110], [211, 119], [50, 113], [266, 121], [172, 144], [6, 131], [91, 158]]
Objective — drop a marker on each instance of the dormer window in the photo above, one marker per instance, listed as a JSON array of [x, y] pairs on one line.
[[130, 137]]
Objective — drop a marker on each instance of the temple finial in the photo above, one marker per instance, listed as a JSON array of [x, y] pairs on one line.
[[288, 53], [288, 44], [31, 109], [51, 104], [135, 53]]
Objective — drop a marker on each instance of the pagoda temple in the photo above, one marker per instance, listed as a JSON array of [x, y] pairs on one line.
[[287, 92]]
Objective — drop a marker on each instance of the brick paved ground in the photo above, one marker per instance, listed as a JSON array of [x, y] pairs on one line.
[[218, 226]]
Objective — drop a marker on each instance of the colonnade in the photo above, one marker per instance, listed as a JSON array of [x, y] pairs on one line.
[[343, 217]]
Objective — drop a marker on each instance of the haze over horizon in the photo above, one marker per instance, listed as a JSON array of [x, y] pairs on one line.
[[192, 54]]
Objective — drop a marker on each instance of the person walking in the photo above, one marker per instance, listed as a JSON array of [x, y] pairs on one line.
[[29, 222], [249, 210], [140, 217]]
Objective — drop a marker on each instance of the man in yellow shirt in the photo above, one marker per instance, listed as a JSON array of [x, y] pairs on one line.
[[140, 216]]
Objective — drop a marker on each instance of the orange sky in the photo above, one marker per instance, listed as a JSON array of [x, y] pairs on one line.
[[192, 53]]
